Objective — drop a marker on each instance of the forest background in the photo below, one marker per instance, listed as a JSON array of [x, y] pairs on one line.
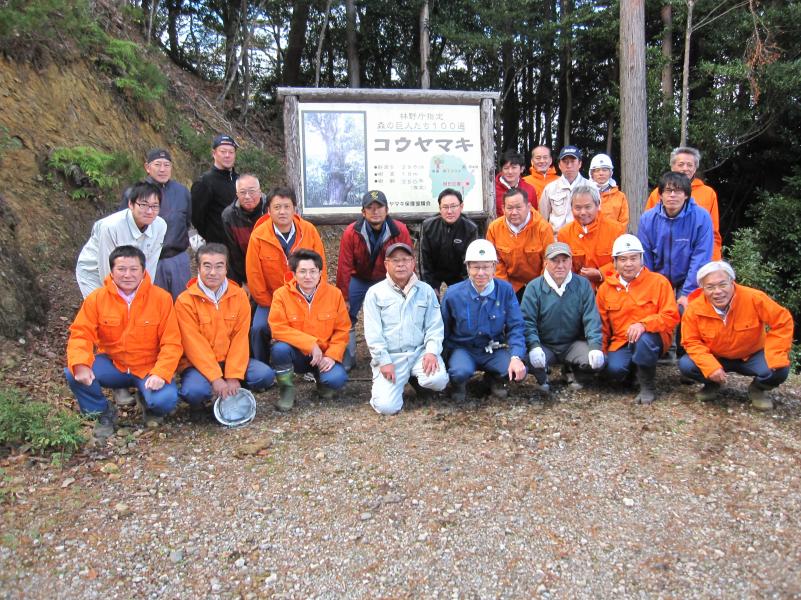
[[555, 62]]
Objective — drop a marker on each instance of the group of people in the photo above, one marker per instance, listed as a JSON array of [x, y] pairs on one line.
[[556, 280]]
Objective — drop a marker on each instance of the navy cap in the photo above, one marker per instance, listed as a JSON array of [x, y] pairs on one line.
[[157, 153], [374, 196], [399, 246], [570, 151], [223, 139]]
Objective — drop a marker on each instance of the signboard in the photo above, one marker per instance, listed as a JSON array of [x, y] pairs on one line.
[[410, 144], [409, 152]]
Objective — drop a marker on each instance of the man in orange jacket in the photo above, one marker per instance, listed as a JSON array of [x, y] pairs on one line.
[[132, 325], [590, 235], [686, 160], [214, 318], [542, 172], [310, 326], [638, 315], [614, 204], [733, 328], [520, 237], [275, 236]]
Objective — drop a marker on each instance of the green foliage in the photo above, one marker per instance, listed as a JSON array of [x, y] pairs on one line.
[[93, 171], [134, 73], [41, 426], [197, 144], [265, 166]]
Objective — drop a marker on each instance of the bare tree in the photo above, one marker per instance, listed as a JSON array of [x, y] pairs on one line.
[[685, 75], [667, 54], [425, 47], [353, 50], [319, 55], [633, 108]]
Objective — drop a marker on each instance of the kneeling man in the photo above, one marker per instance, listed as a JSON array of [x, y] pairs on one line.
[[483, 325], [403, 329], [562, 324], [734, 328], [124, 335], [638, 315], [310, 327], [214, 318]]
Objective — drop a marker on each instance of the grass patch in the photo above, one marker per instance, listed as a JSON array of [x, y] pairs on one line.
[[92, 171], [42, 427]]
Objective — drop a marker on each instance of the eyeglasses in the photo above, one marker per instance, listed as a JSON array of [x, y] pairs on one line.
[[246, 193], [308, 272], [477, 268], [401, 261], [208, 268], [449, 207], [722, 286], [669, 191], [148, 207]]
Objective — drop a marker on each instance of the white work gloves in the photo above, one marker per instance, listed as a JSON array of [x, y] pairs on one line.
[[596, 359], [537, 358]]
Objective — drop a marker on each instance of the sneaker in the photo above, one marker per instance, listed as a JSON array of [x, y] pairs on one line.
[[104, 427], [759, 400], [708, 393], [572, 382], [123, 397]]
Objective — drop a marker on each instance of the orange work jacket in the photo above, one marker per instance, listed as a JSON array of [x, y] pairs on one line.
[[324, 322], [592, 247], [142, 339], [520, 256], [705, 336], [214, 334], [706, 198], [266, 264], [538, 181], [615, 206], [649, 300]]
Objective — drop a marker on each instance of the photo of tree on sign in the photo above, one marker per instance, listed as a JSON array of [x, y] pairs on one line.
[[335, 158]]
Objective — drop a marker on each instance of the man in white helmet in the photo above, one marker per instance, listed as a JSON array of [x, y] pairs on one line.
[[561, 320], [638, 315], [614, 204], [483, 325]]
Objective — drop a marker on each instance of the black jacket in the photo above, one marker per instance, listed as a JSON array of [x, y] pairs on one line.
[[211, 193], [238, 225], [442, 249]]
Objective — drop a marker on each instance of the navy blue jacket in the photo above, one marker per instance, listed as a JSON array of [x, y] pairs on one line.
[[472, 321], [176, 210], [677, 247]]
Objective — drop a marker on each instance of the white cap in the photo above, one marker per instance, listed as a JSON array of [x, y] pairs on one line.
[[480, 250], [601, 161], [626, 243]]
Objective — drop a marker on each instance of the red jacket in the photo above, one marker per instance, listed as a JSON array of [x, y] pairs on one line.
[[142, 339], [501, 187], [354, 256]]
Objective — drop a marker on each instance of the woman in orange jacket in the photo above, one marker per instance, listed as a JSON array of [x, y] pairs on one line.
[[310, 328], [638, 315], [734, 328]]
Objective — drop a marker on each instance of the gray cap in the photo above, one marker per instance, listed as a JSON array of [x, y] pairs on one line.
[[557, 248], [399, 246]]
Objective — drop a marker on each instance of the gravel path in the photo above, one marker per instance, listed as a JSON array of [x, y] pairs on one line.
[[585, 497]]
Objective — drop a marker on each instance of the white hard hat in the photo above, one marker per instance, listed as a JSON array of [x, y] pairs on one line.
[[601, 161], [236, 410], [480, 250], [626, 243]]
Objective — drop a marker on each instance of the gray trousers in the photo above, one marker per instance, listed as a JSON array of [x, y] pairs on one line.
[[574, 355]]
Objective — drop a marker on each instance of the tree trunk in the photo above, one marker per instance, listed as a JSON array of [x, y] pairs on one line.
[[318, 57], [685, 75], [511, 103], [545, 86], [425, 46], [233, 34], [150, 18], [667, 56], [565, 72], [353, 51], [633, 108], [296, 42]]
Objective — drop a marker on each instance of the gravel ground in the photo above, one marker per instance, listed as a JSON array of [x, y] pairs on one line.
[[581, 496]]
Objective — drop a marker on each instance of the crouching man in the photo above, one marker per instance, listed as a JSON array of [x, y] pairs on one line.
[[733, 328], [214, 318], [638, 315], [124, 335], [403, 329], [310, 328], [562, 324], [483, 325]]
